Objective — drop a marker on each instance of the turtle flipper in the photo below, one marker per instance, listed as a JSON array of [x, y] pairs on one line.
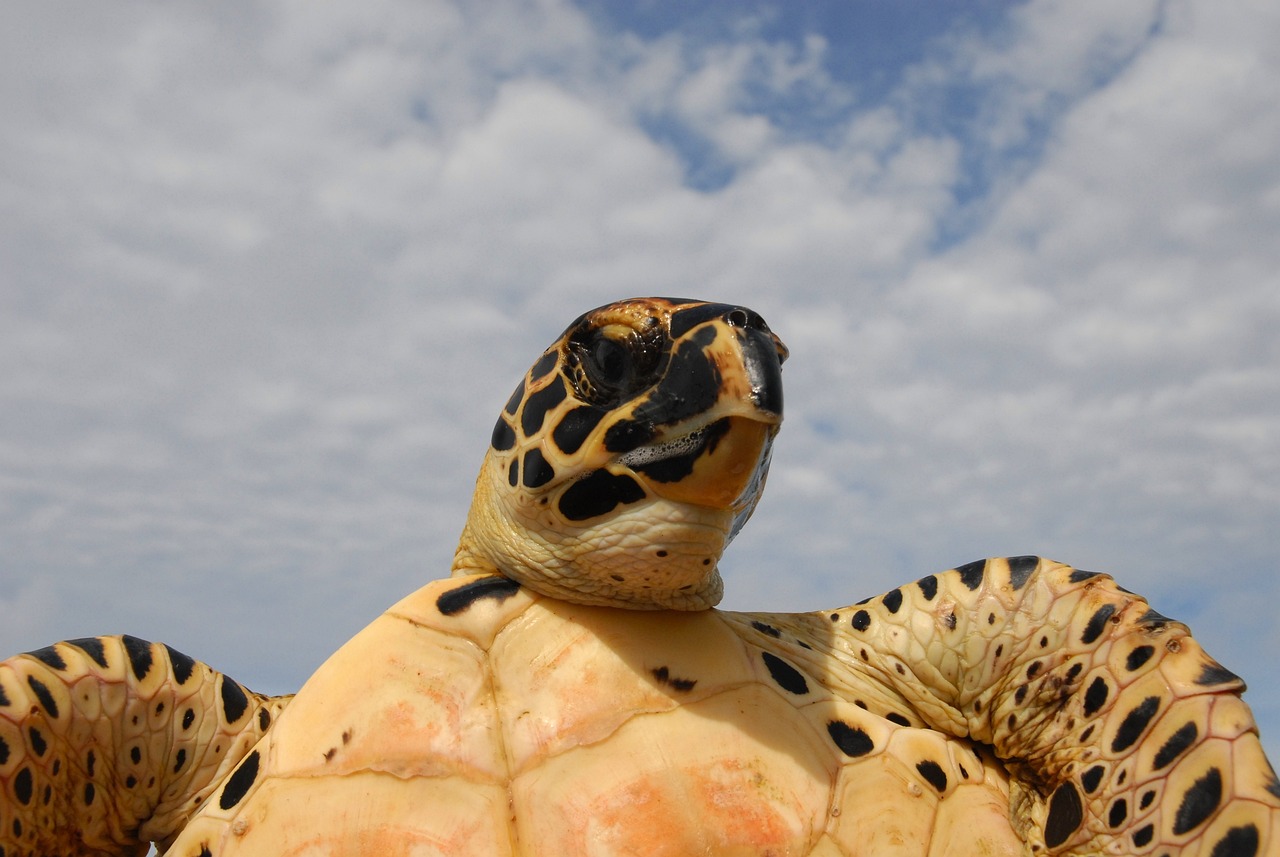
[[1121, 734], [110, 743]]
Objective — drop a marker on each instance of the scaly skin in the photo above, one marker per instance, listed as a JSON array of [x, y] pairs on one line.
[[110, 743]]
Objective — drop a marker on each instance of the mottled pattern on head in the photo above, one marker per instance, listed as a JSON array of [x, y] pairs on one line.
[[629, 455]]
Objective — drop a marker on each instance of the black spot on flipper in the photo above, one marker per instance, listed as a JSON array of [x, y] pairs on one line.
[[788, 677], [1118, 813], [1173, 748], [765, 628], [4, 752], [1020, 569], [538, 404], [1138, 657], [1273, 784], [928, 587], [1080, 575], [457, 600], [188, 717], [934, 774], [264, 719], [234, 699], [1135, 723], [240, 781], [1096, 696], [851, 740], [1214, 673], [1147, 797], [50, 657], [1242, 841], [574, 427], [895, 717], [1097, 623], [183, 665], [38, 744], [4, 699], [599, 494], [1066, 812], [1142, 836], [89, 793], [1153, 619], [42, 693], [892, 600], [204, 851], [537, 470], [504, 436], [683, 685], [1091, 778], [23, 786], [861, 620], [971, 574], [179, 759], [1199, 803], [139, 654]]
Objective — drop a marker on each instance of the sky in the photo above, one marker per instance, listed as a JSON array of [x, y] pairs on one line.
[[270, 270]]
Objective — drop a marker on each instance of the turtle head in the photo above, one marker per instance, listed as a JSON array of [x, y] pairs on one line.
[[630, 455]]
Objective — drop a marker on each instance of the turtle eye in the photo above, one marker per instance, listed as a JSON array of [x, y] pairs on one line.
[[608, 363]]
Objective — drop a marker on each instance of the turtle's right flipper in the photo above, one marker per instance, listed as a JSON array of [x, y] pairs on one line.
[[110, 743]]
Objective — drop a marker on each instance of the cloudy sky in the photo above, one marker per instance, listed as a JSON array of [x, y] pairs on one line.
[[270, 270]]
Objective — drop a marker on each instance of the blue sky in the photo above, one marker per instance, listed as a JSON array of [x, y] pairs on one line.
[[270, 271]]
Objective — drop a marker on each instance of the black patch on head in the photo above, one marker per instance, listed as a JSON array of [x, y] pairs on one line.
[[766, 629], [1118, 814], [1079, 575], [892, 600], [683, 685], [690, 386], [513, 403], [234, 700], [50, 657], [851, 740], [1214, 673], [861, 620], [933, 772], [1097, 623], [183, 665], [685, 320], [1199, 803], [1142, 836], [678, 467], [1091, 778], [23, 786], [1138, 657], [537, 470], [1020, 568], [1178, 742], [457, 600], [1135, 723], [42, 693], [543, 367], [787, 676], [971, 573], [537, 405], [626, 435], [1153, 619], [574, 427], [240, 781], [38, 744], [928, 587], [895, 717], [1096, 696], [513, 473], [1066, 812], [139, 653], [1240, 841], [599, 494], [91, 646], [504, 436]]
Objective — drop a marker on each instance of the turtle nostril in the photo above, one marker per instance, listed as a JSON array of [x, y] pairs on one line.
[[737, 318]]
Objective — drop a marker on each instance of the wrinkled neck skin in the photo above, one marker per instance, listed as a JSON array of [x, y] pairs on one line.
[[654, 555]]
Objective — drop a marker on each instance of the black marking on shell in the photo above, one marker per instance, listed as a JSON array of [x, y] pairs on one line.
[[183, 665], [234, 699], [38, 744], [928, 587], [1241, 841], [1178, 743], [538, 404], [861, 620], [575, 426], [23, 786], [934, 774], [1020, 569], [1135, 723], [1213, 673], [765, 628], [971, 573], [1138, 657], [42, 693], [139, 654], [461, 598], [683, 685], [1091, 778], [1079, 575], [537, 470], [1066, 812], [788, 677], [1142, 836], [1118, 813], [240, 781], [1199, 803], [895, 717], [892, 600], [1097, 623], [543, 367], [599, 494], [503, 437], [1096, 696], [851, 740], [50, 657]]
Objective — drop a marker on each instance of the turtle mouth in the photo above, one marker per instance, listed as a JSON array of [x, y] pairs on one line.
[[714, 465], [687, 446]]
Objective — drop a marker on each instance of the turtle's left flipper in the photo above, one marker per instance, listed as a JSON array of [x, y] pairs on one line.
[[1120, 733], [109, 743]]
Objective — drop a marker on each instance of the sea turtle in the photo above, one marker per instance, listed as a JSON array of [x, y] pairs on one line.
[[1007, 706]]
